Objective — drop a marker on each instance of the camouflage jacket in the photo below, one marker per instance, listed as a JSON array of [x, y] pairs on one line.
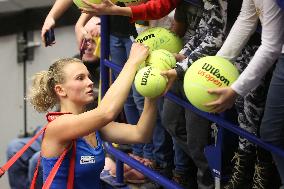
[[205, 30]]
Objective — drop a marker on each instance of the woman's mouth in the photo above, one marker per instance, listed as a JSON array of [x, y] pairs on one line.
[[91, 92]]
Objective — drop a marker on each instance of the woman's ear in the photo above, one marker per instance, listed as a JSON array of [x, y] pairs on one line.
[[60, 91]]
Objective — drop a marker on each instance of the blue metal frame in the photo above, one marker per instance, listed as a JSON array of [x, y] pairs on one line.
[[122, 157], [213, 153]]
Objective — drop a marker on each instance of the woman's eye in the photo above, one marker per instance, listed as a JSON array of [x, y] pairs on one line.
[[80, 77]]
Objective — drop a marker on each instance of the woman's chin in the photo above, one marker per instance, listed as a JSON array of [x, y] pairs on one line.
[[91, 99]]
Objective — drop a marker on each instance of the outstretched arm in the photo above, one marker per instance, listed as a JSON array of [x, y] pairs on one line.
[[271, 42], [151, 10], [59, 7], [241, 31], [68, 127], [141, 133], [272, 37], [80, 31]]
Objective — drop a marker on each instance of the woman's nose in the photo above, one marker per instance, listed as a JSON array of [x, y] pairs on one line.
[[91, 83]]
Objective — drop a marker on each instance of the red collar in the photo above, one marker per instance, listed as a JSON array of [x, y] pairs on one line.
[[50, 116]]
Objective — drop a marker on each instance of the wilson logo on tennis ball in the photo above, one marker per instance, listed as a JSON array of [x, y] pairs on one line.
[[160, 38], [149, 82], [145, 38], [213, 72], [145, 76]]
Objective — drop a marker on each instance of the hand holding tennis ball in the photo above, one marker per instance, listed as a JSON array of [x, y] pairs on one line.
[[149, 82], [206, 73]]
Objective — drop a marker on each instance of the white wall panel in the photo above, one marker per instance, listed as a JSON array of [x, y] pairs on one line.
[[11, 84]]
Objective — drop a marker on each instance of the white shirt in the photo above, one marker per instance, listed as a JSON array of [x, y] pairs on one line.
[[272, 39]]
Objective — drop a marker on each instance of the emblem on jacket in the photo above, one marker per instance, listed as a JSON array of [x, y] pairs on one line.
[[87, 159]]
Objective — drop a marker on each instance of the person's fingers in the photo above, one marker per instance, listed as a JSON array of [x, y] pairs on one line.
[[179, 57], [213, 103], [214, 91], [107, 2], [145, 46], [86, 11], [168, 86], [213, 108], [216, 106], [166, 90], [219, 109], [87, 3], [43, 31], [95, 33], [164, 73], [91, 11]]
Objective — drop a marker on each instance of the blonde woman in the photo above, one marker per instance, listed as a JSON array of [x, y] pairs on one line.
[[68, 85]]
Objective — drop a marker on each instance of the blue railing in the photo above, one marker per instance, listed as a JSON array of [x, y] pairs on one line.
[[219, 120], [122, 157]]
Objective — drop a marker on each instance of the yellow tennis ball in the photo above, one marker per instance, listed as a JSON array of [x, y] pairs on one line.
[[207, 73], [160, 38], [161, 59], [81, 4], [142, 65], [149, 82]]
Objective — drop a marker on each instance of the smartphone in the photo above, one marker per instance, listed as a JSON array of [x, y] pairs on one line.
[[49, 37], [83, 48]]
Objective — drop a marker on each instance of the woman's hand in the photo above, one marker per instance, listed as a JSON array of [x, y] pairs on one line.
[[96, 31], [171, 75], [93, 26], [48, 24], [226, 99], [138, 53], [81, 34], [106, 7], [83, 27]]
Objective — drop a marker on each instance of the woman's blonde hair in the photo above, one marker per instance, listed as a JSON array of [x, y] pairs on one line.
[[42, 94]]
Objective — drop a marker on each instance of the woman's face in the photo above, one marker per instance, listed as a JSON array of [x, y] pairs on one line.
[[78, 85], [89, 51]]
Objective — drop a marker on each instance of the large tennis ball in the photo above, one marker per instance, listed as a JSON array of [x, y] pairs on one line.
[[161, 59], [160, 38], [81, 4], [149, 82], [206, 73]]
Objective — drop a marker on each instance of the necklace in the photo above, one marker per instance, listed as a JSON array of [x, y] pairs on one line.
[[257, 10]]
